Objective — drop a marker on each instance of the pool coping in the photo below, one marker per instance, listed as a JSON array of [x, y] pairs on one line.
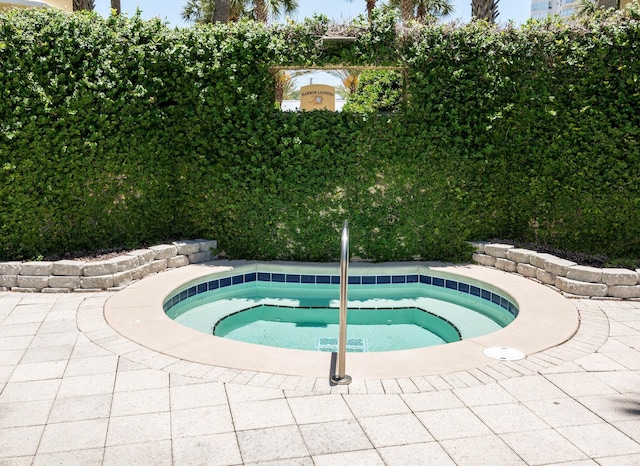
[[546, 319]]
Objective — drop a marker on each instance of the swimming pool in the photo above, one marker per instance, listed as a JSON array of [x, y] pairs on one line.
[[298, 308], [545, 319]]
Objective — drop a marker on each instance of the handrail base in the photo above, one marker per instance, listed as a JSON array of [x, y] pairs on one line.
[[346, 380]]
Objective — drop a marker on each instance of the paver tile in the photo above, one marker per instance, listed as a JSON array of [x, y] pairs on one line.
[[261, 414], [376, 405], [142, 428], [197, 395], [75, 435], [612, 407], [90, 457], [631, 428], [17, 330], [511, 417], [91, 365], [10, 357], [489, 394], [394, 430], [333, 437], [214, 450], [621, 460], [151, 454], [195, 422], [38, 371], [597, 362], [352, 458], [95, 384], [24, 413], [628, 359], [47, 353], [273, 444], [625, 382], [240, 393], [319, 408], [529, 446], [577, 384], [432, 401], [20, 441], [154, 400], [78, 408], [481, 451], [416, 454], [600, 440], [531, 388], [453, 423], [30, 391], [562, 412], [144, 379], [302, 461]]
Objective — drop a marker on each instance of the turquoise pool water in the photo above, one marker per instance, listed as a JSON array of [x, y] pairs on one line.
[[386, 312], [315, 329]]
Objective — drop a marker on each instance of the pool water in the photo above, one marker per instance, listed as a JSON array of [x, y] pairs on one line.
[[315, 329], [299, 315]]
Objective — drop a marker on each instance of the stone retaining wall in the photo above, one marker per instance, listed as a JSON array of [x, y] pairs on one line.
[[568, 277], [113, 274]]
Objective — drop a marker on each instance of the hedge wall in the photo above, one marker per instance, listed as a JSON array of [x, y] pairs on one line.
[[122, 131]]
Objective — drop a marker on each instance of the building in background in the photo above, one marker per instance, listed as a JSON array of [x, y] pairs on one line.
[[65, 5], [541, 9], [565, 8]]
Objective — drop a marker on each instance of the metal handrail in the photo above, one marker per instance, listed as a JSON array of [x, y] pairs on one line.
[[341, 378]]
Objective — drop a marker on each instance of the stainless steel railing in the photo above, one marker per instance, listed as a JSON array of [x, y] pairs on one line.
[[341, 378]]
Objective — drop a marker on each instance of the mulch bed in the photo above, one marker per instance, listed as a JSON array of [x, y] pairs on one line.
[[580, 258], [591, 260]]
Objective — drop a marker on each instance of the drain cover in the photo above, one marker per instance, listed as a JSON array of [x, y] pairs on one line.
[[504, 354], [354, 345]]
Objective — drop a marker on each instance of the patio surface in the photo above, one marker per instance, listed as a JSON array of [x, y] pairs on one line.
[[74, 391]]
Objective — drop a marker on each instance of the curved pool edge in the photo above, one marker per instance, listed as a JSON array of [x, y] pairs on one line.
[[546, 319]]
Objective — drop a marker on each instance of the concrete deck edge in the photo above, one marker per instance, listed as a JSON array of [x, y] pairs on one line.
[[546, 320]]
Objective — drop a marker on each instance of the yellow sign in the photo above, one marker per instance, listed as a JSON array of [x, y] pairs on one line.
[[66, 5], [318, 96]]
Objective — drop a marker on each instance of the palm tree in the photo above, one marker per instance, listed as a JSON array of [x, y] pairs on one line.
[[204, 11], [406, 10], [286, 85], [221, 11], [79, 5], [371, 4], [262, 9], [211, 11], [485, 9], [421, 10], [349, 79]]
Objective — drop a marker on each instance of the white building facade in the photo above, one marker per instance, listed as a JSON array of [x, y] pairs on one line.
[[543, 8]]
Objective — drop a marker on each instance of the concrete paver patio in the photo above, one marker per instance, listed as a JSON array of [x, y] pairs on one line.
[[73, 391]]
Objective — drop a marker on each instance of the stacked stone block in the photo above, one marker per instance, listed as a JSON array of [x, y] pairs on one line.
[[112, 274], [568, 277]]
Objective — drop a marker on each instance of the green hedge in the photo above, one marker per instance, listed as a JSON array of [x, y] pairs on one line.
[[119, 132]]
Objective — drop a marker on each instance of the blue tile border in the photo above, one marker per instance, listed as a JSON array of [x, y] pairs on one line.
[[356, 280]]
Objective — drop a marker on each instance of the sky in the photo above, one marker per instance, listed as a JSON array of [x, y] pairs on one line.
[[340, 10]]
